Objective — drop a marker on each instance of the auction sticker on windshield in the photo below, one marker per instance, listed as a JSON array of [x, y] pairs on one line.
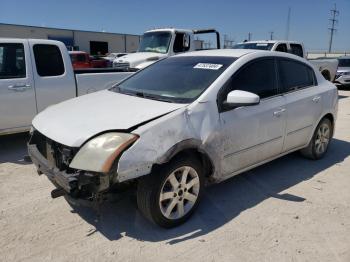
[[208, 66]]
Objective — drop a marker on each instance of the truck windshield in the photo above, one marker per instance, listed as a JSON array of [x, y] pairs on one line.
[[155, 42], [259, 46], [175, 79], [344, 62]]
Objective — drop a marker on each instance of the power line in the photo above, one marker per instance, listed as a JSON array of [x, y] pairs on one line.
[[334, 21]]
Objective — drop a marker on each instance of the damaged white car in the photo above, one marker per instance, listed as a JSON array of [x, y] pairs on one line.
[[184, 122]]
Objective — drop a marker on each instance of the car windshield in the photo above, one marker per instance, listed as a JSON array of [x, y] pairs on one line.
[[155, 42], [344, 62], [175, 79], [259, 46]]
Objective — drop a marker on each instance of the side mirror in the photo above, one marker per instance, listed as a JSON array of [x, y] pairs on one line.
[[186, 41], [239, 98]]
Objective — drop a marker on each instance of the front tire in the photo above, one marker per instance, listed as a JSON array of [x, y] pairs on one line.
[[319, 143], [169, 195]]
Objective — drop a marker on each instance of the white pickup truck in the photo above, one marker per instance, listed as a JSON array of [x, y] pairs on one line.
[[327, 67], [35, 74], [161, 43]]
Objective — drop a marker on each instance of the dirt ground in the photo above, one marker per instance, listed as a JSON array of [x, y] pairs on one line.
[[291, 209]]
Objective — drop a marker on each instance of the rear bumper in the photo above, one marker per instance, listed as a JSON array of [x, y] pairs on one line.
[[71, 183]]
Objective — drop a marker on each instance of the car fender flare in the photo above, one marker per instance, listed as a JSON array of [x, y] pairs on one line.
[[183, 145]]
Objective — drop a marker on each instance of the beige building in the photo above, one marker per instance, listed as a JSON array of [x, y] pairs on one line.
[[91, 42]]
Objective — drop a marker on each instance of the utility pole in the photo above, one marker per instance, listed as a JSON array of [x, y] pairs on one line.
[[288, 23], [334, 21], [249, 36], [228, 43], [271, 35]]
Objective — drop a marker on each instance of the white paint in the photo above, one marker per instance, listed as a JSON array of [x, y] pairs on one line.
[[77, 120], [235, 140], [239, 97], [19, 106]]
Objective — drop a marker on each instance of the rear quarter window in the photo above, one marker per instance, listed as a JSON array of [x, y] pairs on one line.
[[48, 60]]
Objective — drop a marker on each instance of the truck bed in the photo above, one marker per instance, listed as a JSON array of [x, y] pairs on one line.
[[92, 80]]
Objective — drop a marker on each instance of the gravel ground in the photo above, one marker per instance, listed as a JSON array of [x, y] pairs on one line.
[[291, 209]]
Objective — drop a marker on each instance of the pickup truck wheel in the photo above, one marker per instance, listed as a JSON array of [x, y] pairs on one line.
[[169, 195], [319, 143]]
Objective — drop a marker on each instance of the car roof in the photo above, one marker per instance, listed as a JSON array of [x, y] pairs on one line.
[[344, 57], [221, 52], [270, 42], [236, 53]]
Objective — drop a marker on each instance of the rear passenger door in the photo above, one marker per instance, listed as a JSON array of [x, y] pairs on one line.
[[53, 73], [17, 95], [298, 85], [252, 134]]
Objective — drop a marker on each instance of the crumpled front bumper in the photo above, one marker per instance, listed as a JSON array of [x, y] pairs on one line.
[[71, 183]]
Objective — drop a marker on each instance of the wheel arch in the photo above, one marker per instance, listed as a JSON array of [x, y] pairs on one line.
[[191, 147], [330, 116]]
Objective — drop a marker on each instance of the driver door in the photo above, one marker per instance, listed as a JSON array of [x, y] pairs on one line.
[[252, 134]]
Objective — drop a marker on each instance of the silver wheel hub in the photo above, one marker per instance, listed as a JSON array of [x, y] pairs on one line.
[[179, 192], [322, 139]]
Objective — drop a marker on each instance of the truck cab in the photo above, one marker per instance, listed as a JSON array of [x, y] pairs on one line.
[[161, 43], [327, 67], [291, 47]]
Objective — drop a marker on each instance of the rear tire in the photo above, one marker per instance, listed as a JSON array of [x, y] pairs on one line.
[[320, 140], [171, 193]]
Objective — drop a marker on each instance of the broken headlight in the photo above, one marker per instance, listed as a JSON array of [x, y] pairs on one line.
[[99, 153]]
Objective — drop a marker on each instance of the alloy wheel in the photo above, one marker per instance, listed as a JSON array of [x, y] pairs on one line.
[[179, 192]]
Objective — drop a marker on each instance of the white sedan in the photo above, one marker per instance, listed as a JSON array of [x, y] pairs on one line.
[[184, 122]]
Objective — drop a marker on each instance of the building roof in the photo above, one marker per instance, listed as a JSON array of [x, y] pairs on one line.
[[66, 29]]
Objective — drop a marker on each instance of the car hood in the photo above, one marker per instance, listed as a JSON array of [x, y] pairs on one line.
[[137, 58], [74, 121]]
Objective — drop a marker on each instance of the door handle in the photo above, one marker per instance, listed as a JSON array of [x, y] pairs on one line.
[[316, 99], [19, 87], [279, 112]]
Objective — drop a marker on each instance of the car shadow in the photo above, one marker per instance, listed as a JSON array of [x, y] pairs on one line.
[[341, 96], [221, 202], [13, 148], [344, 87]]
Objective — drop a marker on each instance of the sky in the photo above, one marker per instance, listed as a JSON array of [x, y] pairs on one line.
[[308, 23]]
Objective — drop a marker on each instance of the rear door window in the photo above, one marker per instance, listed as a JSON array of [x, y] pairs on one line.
[[48, 60], [297, 49], [294, 75], [12, 61]]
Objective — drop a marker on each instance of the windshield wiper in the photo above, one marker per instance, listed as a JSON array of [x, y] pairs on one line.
[[157, 97], [142, 94]]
